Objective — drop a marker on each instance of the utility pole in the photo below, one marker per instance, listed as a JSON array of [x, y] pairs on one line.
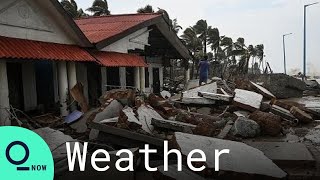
[[284, 52], [305, 38]]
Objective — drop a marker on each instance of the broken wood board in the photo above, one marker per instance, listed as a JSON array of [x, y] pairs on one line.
[[191, 96], [173, 173], [301, 115], [78, 95], [247, 100], [126, 134], [225, 131], [266, 93], [173, 125], [242, 159], [215, 96], [283, 113]]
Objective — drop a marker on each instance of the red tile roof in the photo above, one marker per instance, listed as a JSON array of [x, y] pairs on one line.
[[27, 49], [114, 59], [100, 28]]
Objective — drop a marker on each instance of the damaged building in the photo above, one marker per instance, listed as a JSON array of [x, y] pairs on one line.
[[44, 53]]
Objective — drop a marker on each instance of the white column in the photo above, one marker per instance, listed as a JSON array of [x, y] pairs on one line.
[[187, 75], [4, 94], [150, 68], [123, 79], [142, 79], [29, 86], [161, 78], [137, 78], [72, 81], [104, 80], [63, 87]]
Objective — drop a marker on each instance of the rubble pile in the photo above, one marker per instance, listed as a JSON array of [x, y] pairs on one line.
[[216, 115]]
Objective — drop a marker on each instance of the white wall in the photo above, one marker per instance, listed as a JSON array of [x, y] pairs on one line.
[[136, 40], [34, 20]]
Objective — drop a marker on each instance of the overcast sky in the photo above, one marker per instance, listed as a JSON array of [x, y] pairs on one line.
[[258, 21]]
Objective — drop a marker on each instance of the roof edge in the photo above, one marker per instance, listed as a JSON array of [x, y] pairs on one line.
[[72, 24]]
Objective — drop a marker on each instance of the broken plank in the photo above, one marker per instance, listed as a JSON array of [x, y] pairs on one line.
[[266, 93], [283, 113], [173, 125], [214, 96], [301, 115], [225, 131], [126, 134]]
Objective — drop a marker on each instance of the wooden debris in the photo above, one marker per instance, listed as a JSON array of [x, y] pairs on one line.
[[78, 95], [261, 90], [301, 115], [242, 160], [173, 125], [118, 94], [283, 113], [225, 131], [215, 96], [247, 100]]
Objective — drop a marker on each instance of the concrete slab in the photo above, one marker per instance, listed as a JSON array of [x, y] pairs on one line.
[[286, 154]]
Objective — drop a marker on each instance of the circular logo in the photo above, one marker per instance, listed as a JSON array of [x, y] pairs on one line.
[[24, 155]]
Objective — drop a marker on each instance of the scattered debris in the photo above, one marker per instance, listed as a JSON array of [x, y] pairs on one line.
[[270, 124], [78, 95], [267, 94], [191, 96], [215, 96], [247, 100], [241, 160], [246, 128], [74, 116]]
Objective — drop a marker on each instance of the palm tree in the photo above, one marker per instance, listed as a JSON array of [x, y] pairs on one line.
[[214, 40], [72, 8], [99, 8], [193, 43], [202, 28], [147, 9], [260, 54], [175, 26]]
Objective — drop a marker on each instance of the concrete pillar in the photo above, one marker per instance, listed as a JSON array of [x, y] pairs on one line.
[[29, 86], [161, 78], [72, 81], [63, 87], [150, 68], [187, 75], [4, 95], [104, 80], [142, 79], [55, 81], [123, 78], [137, 83]]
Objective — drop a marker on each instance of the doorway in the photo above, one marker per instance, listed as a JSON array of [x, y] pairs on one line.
[[156, 80]]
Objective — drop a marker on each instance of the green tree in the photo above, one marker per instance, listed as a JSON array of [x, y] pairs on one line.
[[99, 8], [175, 26], [72, 8], [193, 43], [147, 9], [214, 40]]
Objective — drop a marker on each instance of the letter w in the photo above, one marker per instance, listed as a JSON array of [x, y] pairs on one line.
[[77, 152]]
